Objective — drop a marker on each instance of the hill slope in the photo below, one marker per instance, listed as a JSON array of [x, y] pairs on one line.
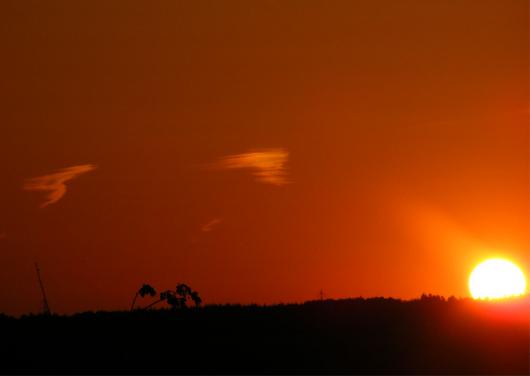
[[365, 336]]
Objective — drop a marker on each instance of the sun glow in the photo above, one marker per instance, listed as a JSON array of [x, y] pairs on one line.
[[496, 279]]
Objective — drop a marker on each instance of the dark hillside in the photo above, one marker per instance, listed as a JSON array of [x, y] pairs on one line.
[[376, 335]]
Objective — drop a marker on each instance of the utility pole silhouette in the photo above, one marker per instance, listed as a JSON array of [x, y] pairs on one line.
[[45, 306], [321, 295]]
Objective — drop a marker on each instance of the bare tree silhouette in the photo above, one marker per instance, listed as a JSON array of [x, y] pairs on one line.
[[143, 291]]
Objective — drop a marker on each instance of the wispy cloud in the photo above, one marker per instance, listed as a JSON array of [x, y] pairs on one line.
[[268, 165], [210, 225], [54, 183]]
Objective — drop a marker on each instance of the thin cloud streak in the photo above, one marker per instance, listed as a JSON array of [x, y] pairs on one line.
[[268, 165], [210, 225], [54, 183]]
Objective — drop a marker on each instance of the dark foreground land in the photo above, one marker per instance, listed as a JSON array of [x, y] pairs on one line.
[[367, 336]]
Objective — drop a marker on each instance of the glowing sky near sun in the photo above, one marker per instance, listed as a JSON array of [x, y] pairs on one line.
[[260, 151]]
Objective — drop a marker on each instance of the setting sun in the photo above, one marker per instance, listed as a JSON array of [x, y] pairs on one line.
[[496, 279]]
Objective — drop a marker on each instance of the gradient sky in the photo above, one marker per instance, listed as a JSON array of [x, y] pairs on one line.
[[259, 150]]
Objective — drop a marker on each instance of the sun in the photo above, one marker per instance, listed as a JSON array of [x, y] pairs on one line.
[[496, 279]]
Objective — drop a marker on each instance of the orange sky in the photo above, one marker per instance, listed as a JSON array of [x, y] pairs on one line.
[[259, 150]]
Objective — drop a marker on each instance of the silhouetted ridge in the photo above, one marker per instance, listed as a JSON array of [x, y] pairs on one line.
[[367, 336]]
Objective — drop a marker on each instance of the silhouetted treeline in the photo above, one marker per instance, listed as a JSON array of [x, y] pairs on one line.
[[368, 336]]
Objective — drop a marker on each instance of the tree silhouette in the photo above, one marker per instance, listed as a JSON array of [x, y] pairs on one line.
[[175, 301], [178, 298], [196, 298], [184, 293], [164, 295], [143, 291]]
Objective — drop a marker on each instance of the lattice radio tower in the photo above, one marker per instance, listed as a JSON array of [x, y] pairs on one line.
[[45, 306]]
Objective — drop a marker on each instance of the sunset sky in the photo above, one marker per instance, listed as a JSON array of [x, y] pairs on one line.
[[260, 151]]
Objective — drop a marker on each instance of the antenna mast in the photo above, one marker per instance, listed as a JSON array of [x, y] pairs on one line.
[[45, 306]]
